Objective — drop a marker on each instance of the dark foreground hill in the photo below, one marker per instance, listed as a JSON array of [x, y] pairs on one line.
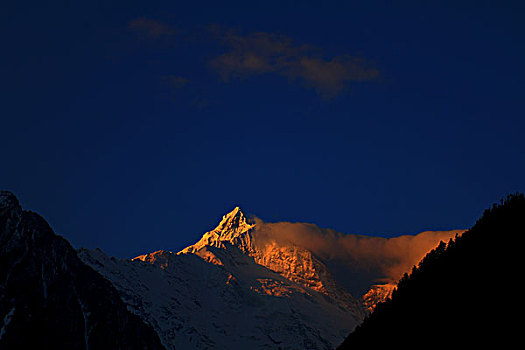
[[463, 293], [50, 300]]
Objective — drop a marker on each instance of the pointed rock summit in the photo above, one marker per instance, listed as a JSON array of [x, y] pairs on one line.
[[8, 200], [232, 226]]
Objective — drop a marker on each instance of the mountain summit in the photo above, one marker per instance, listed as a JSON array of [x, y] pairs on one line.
[[8, 200], [234, 233], [233, 225]]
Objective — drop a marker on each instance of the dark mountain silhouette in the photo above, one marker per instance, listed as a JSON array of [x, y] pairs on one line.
[[50, 300], [462, 293]]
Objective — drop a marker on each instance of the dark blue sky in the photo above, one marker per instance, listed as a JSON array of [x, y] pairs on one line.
[[134, 126]]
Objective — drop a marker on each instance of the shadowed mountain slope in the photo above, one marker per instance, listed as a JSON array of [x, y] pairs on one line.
[[50, 300]]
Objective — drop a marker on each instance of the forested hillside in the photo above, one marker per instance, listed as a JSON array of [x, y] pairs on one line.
[[464, 292]]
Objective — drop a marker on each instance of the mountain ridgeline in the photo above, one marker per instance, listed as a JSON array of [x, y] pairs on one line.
[[231, 291], [248, 284], [49, 299], [461, 294]]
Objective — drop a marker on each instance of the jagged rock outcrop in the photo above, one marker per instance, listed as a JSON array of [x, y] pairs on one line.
[[378, 293], [49, 299]]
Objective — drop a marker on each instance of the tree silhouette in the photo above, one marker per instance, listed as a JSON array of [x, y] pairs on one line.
[[462, 293]]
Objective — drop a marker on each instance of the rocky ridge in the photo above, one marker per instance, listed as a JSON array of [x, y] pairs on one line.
[[49, 299]]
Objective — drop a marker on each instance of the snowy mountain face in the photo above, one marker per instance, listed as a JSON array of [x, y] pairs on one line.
[[293, 262], [225, 292], [239, 287]]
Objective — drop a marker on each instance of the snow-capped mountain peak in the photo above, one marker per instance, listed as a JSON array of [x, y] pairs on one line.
[[236, 235], [234, 227], [233, 224]]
